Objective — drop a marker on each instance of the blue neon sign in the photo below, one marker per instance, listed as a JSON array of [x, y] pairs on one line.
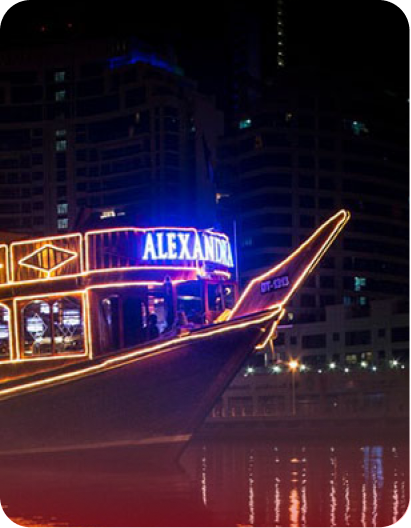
[[190, 245]]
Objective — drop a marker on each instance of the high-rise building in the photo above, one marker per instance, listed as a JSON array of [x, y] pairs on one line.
[[258, 51], [107, 125], [314, 147]]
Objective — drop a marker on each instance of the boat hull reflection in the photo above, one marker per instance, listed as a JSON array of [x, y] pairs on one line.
[[222, 483]]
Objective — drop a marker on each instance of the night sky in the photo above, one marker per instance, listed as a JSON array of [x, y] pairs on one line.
[[367, 37]]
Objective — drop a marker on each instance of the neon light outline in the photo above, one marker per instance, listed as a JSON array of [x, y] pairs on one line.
[[17, 316], [125, 358], [307, 270], [73, 255], [84, 254], [103, 271], [6, 262], [2, 361], [272, 331], [86, 311], [46, 239], [86, 304], [144, 230]]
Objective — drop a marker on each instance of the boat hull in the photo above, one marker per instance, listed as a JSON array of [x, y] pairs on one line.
[[151, 403]]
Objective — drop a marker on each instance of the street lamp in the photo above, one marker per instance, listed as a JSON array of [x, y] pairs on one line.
[[293, 366]]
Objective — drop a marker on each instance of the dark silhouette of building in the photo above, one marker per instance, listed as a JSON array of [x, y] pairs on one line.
[[311, 146], [258, 48], [108, 125]]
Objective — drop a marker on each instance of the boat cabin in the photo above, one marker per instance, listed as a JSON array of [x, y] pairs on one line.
[[90, 294]]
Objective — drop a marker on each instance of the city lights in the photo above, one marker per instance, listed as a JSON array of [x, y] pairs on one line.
[[293, 364], [204, 264]]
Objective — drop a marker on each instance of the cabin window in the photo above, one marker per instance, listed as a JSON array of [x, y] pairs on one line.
[[134, 312], [109, 331], [4, 333], [229, 296], [190, 301], [215, 302], [68, 326], [157, 306], [53, 327]]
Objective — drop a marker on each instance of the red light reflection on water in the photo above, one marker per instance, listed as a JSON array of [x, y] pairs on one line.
[[219, 483]]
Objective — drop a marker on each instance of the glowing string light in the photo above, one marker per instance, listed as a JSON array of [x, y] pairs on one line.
[[343, 219], [127, 357]]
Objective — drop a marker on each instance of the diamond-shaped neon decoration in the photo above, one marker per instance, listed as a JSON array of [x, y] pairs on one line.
[[48, 259]]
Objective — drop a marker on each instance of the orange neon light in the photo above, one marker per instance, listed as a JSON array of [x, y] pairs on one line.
[[276, 308], [145, 268], [10, 331], [86, 310], [6, 261], [84, 255], [107, 270], [222, 273], [135, 355], [16, 300], [128, 284], [48, 272], [273, 328], [47, 240], [345, 215]]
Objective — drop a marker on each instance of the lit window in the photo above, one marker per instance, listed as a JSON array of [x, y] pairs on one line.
[[280, 62], [359, 283], [62, 208], [356, 127], [244, 123], [107, 214], [359, 128], [61, 133], [60, 95], [61, 145], [362, 301], [4, 333], [62, 223], [52, 327], [59, 76], [288, 117]]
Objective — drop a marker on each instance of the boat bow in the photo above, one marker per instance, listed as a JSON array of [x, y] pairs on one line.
[[273, 289]]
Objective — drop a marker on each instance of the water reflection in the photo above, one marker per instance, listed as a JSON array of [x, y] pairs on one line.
[[221, 483]]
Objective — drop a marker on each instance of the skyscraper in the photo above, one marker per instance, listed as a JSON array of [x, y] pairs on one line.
[[108, 125], [310, 147], [258, 46]]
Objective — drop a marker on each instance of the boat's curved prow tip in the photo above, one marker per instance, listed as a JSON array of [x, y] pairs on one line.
[[276, 286]]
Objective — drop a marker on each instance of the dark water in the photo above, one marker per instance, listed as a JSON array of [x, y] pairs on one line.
[[222, 483]]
